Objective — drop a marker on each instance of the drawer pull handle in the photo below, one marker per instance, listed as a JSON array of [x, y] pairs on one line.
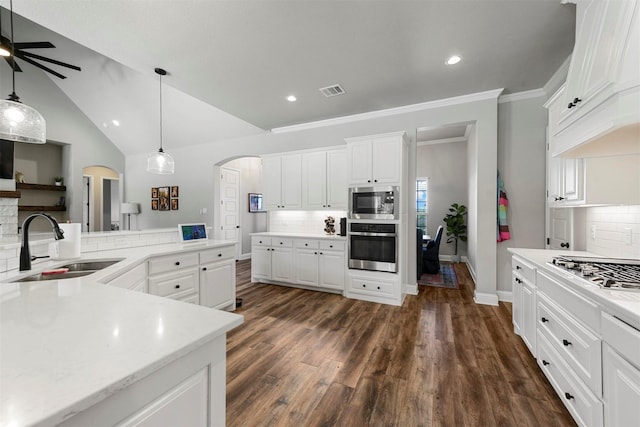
[[204, 268], [544, 319], [568, 396], [566, 343], [544, 362], [178, 286], [177, 262]]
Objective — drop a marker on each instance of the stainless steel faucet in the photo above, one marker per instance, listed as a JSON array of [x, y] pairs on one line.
[[25, 254]]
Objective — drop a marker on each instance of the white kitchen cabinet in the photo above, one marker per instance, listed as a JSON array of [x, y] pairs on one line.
[[217, 278], [271, 259], [331, 265], [524, 302], [282, 181], [324, 179], [603, 81], [516, 304], [260, 259], [372, 286], [376, 160], [306, 266], [182, 285]]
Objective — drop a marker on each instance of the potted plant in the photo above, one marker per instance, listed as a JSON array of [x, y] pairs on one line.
[[58, 180], [456, 227]]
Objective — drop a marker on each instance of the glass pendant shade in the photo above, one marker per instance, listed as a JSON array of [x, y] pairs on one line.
[[21, 123], [161, 163]]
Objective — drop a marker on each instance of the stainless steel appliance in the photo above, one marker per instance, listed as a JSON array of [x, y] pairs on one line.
[[373, 246], [608, 273], [374, 203]]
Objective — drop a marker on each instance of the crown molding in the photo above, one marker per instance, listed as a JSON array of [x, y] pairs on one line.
[[519, 96], [558, 78], [464, 99]]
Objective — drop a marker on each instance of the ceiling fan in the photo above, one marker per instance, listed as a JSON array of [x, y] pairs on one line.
[[18, 51]]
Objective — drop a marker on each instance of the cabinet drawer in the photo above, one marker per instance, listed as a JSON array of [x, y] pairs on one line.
[[175, 286], [329, 245], [170, 263], [306, 244], [523, 269], [586, 409], [279, 242], [132, 278], [580, 349], [371, 287], [576, 305], [260, 241], [218, 254], [625, 339]]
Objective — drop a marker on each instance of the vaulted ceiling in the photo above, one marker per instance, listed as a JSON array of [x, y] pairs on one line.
[[232, 64]]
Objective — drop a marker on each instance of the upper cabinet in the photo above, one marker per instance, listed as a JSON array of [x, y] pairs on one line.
[[282, 181], [324, 179], [375, 160], [602, 91]]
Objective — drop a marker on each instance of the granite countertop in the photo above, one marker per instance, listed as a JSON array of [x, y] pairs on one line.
[[68, 344], [300, 235], [620, 303]]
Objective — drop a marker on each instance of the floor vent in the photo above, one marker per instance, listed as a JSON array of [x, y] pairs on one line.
[[333, 90]]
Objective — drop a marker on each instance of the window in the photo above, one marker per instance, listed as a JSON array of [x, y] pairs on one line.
[[421, 203]]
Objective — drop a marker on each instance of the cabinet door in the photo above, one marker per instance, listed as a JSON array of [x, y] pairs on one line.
[[359, 161], [516, 308], [281, 264], [555, 174], [217, 284], [528, 327], [292, 181], [332, 269], [271, 183], [621, 390], [573, 179], [337, 179], [307, 267], [387, 160], [314, 180], [260, 262]]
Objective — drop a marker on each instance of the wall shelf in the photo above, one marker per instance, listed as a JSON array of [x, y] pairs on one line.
[[42, 208], [43, 187], [10, 194]]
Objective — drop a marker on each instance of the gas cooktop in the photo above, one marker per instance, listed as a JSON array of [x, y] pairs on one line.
[[608, 273]]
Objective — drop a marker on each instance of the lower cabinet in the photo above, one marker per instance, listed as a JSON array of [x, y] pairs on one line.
[[372, 286], [524, 302], [311, 263], [183, 285], [215, 277]]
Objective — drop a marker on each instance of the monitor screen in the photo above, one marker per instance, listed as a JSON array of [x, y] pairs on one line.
[[192, 232]]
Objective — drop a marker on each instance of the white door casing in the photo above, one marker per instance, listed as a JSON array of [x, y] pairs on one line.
[[230, 207]]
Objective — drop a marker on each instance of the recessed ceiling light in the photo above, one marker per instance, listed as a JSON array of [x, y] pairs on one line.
[[454, 60], [115, 122], [291, 98]]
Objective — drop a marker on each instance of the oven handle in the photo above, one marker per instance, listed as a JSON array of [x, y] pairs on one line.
[[373, 234]]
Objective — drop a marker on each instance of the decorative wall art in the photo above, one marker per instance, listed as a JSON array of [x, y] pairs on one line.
[[165, 198]]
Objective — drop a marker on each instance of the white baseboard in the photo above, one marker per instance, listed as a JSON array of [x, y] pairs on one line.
[[505, 296], [411, 289], [486, 299], [245, 256]]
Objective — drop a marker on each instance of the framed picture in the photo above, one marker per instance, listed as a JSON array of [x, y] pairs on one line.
[[163, 198], [154, 204], [154, 192], [174, 204], [174, 192], [255, 202]]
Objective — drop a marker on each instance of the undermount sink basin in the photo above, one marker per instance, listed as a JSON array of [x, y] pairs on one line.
[[73, 270]]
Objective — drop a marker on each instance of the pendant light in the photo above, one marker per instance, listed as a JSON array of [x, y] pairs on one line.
[[19, 122], [160, 162]]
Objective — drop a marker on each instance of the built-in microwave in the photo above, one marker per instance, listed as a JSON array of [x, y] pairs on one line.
[[374, 203]]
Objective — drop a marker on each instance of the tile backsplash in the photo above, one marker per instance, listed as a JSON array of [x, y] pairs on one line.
[[310, 222], [613, 231]]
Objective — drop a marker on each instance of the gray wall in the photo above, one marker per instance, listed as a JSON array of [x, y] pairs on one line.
[[446, 167], [522, 165]]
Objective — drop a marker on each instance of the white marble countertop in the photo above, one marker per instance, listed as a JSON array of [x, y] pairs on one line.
[[623, 304], [300, 235], [68, 344]]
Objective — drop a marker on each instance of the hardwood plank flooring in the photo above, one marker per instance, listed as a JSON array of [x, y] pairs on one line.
[[305, 358]]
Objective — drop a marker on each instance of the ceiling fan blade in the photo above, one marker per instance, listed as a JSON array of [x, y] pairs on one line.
[[13, 64], [42, 67], [33, 45], [52, 61]]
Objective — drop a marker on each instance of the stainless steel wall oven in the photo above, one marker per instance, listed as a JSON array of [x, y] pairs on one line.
[[373, 246]]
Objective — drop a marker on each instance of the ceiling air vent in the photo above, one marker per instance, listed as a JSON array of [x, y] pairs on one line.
[[332, 90]]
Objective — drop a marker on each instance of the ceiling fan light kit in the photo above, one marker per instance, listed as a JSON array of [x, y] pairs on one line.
[[160, 162]]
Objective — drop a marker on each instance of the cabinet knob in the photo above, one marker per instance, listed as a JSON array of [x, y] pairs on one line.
[[368, 180], [518, 280], [219, 255], [568, 396], [306, 244], [544, 362], [576, 100], [330, 246], [328, 206], [177, 262], [378, 287], [237, 226], [315, 253], [178, 286], [375, 180], [544, 319], [566, 343], [364, 286], [518, 267], [570, 105], [320, 253], [324, 206], [280, 242], [564, 245], [260, 241], [204, 268]]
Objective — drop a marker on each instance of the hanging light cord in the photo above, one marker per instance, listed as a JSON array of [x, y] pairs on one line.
[[161, 114]]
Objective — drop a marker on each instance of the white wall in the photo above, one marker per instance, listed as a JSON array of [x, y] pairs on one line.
[[521, 161], [446, 167], [612, 224]]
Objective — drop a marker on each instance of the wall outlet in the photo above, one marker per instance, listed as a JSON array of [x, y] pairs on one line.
[[627, 236], [593, 232]]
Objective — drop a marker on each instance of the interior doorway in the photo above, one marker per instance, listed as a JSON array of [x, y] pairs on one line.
[[229, 207], [101, 198]]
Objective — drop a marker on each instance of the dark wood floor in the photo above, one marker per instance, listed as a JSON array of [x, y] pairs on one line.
[[305, 358]]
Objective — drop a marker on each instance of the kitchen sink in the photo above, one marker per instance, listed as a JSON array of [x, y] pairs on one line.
[[73, 270]]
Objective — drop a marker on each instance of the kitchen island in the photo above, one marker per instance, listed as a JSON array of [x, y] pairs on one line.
[[79, 352]]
